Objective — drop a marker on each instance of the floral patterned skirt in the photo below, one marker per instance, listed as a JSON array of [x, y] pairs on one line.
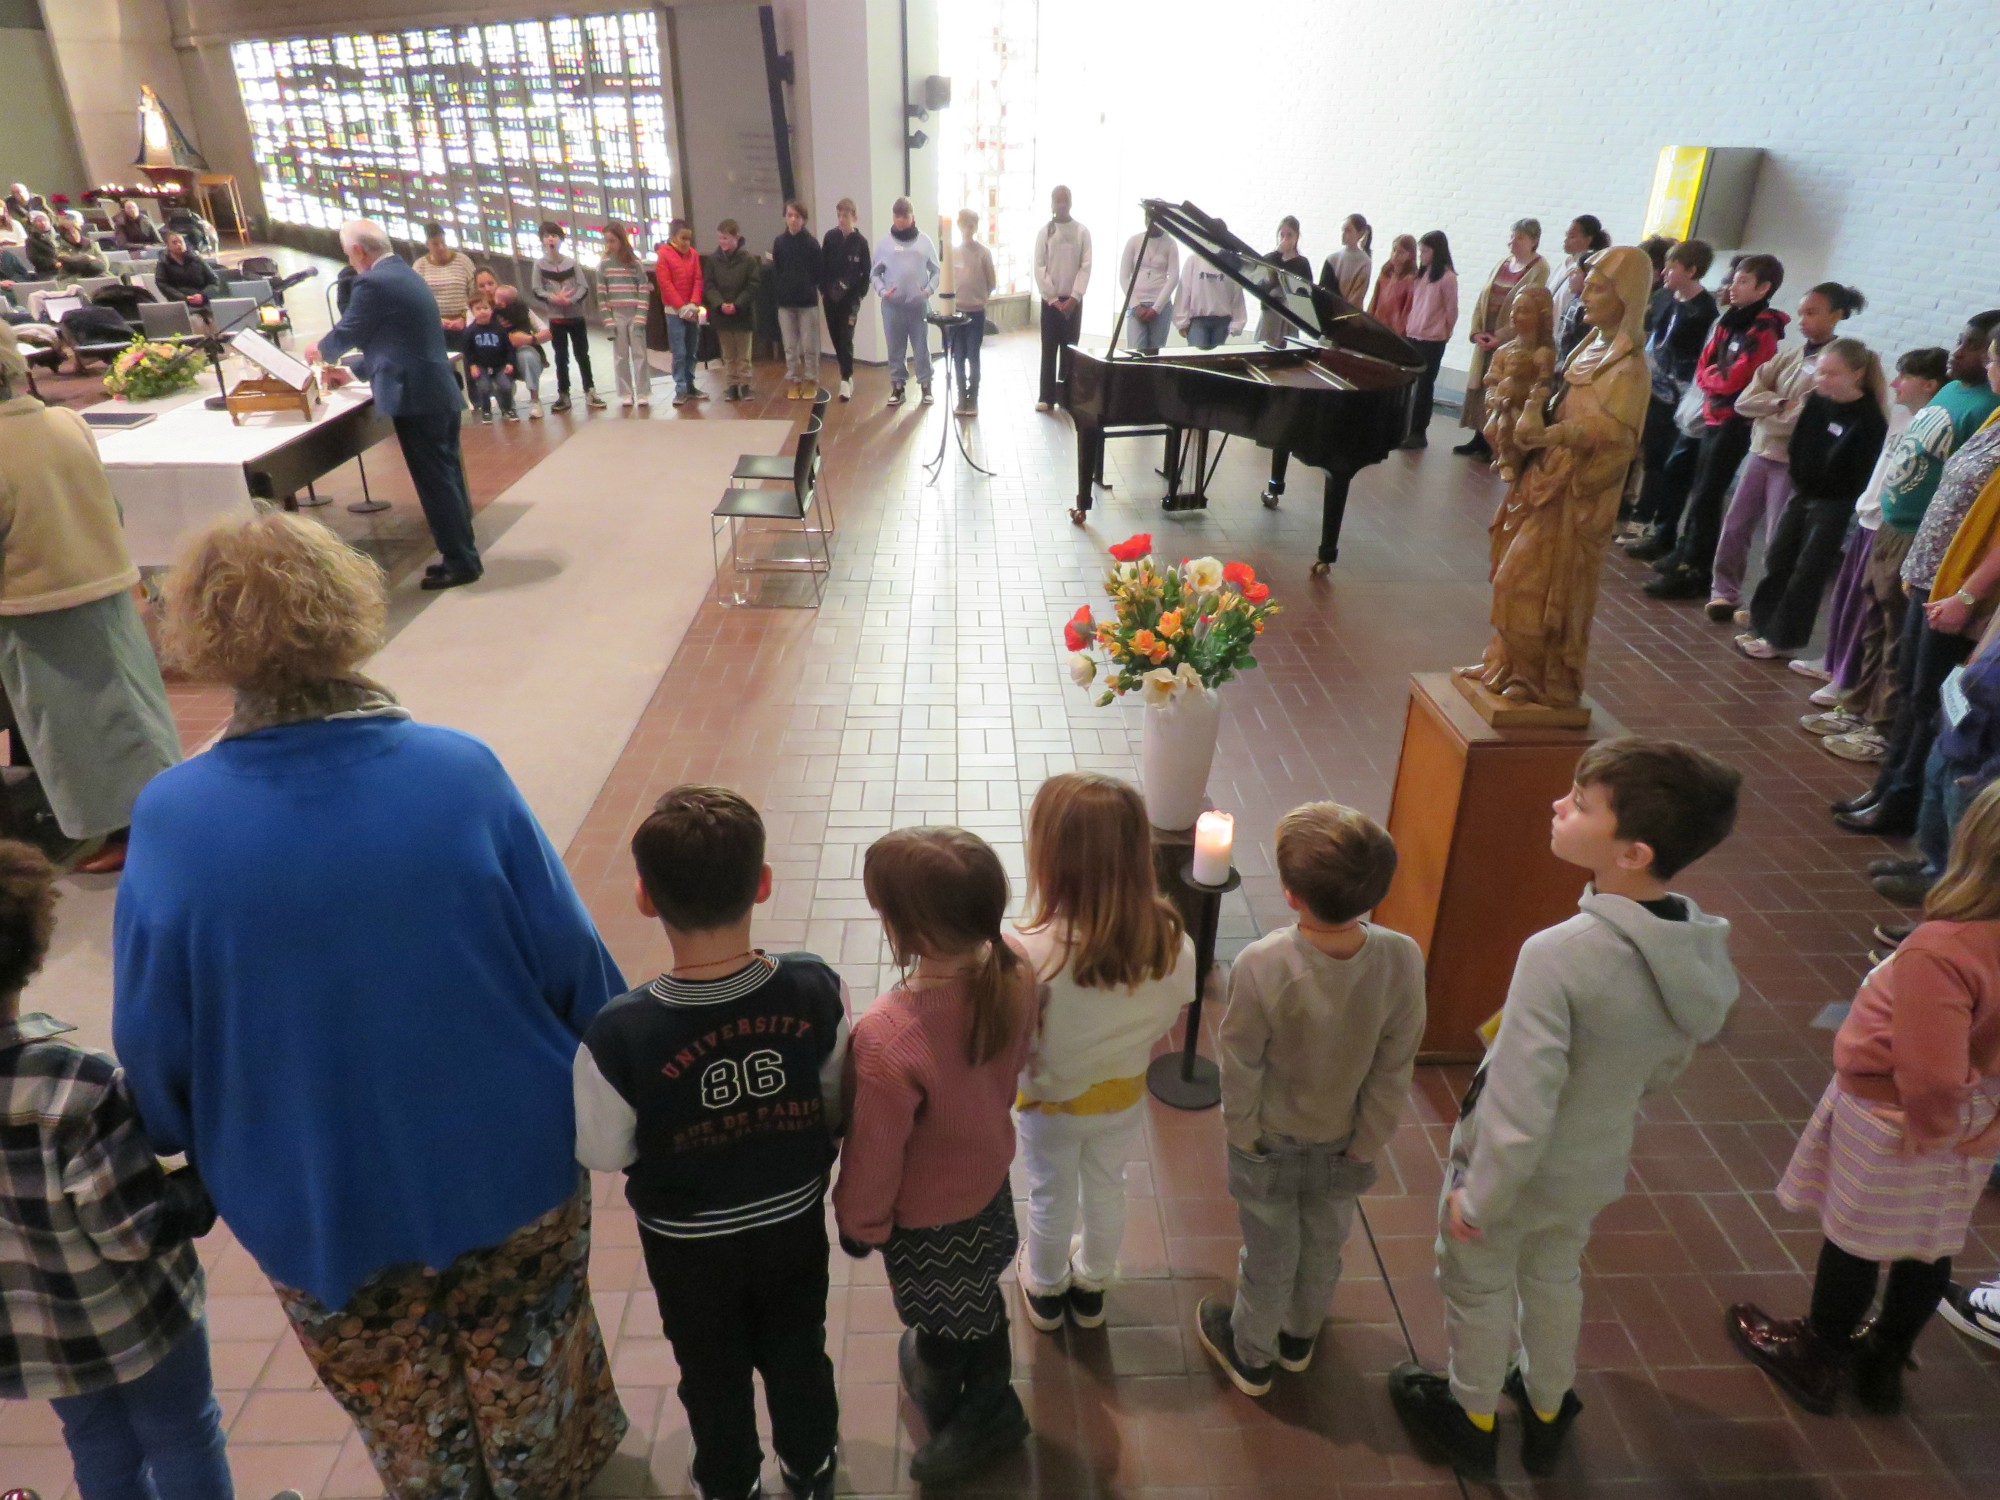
[[485, 1381]]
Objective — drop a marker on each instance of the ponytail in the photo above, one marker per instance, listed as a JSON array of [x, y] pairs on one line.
[[992, 993], [1367, 234], [1845, 300]]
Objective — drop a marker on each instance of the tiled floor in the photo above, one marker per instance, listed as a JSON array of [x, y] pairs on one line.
[[931, 687]]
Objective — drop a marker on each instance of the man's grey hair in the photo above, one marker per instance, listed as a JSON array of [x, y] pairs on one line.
[[365, 234]]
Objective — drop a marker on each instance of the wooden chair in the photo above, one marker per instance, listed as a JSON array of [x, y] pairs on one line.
[[791, 512]]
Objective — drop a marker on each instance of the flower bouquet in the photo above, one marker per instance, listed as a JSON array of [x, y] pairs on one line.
[[1175, 635], [146, 371], [1172, 629]]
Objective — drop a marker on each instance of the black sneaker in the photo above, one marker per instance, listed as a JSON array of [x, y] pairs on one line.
[[895, 395], [1682, 583], [1211, 1326], [977, 1434], [1541, 1442], [1046, 1313], [819, 1487], [1895, 866], [1295, 1353], [561, 404], [1973, 1311], [1438, 1425], [1086, 1307]]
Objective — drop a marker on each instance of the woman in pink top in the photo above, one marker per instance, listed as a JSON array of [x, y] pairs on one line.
[[1433, 314], [1901, 1145], [923, 1176]]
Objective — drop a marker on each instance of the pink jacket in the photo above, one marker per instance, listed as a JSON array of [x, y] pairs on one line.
[[1433, 307]]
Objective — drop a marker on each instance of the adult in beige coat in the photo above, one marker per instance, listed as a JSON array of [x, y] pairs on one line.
[[1492, 317], [79, 672]]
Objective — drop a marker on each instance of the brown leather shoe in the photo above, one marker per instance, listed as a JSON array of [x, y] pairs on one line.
[[108, 860], [1805, 1366]]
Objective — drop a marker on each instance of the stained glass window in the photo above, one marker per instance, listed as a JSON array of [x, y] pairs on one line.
[[486, 130]]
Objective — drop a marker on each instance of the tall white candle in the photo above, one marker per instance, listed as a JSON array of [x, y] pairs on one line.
[[947, 288], [1214, 837]]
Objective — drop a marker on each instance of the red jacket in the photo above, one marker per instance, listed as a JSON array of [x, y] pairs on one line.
[[1734, 350], [679, 275]]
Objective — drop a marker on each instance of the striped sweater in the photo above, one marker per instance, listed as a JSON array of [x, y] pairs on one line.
[[622, 288]]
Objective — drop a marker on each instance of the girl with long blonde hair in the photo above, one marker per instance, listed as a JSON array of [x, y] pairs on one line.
[[1899, 1150], [923, 1175], [1115, 969]]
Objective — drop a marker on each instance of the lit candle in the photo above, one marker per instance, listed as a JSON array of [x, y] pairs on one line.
[[1214, 837], [946, 287]]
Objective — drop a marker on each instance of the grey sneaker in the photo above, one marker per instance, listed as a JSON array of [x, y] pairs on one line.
[[1833, 721], [1864, 746], [1294, 1353], [1211, 1326]]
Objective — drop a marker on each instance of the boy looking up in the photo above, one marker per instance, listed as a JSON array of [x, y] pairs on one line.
[[1317, 1048], [716, 1091], [1604, 1009]]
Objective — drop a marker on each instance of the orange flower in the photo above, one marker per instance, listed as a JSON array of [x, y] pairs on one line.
[[1170, 624], [1257, 593], [1239, 573], [1260, 627], [1146, 644]]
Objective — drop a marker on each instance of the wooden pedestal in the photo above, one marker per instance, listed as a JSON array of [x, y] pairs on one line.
[[1470, 816]]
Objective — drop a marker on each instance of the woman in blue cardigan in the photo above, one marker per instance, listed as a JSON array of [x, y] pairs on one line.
[[352, 975]]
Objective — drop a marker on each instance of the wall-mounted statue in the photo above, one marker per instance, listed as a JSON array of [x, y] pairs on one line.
[[1552, 529]]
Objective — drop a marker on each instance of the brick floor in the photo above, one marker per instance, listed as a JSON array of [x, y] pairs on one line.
[[930, 687]]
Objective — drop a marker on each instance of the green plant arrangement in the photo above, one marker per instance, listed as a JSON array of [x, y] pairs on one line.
[[148, 370]]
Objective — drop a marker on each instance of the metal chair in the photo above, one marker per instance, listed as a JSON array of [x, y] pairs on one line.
[[780, 466], [23, 293], [766, 512], [166, 320], [229, 316]]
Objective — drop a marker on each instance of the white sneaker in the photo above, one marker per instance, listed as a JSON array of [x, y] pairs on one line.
[[847, 390], [1863, 746], [1816, 670], [1828, 696], [1757, 647], [1974, 1311], [535, 410], [1838, 721]]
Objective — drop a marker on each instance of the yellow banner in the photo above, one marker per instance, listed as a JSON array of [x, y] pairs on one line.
[[1677, 182]]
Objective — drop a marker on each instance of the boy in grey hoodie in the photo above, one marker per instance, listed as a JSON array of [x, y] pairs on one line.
[[1604, 1009]]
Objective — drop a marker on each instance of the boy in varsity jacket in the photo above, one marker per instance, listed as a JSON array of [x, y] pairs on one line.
[[716, 1091]]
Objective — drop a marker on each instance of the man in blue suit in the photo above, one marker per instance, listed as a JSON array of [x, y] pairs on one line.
[[392, 318]]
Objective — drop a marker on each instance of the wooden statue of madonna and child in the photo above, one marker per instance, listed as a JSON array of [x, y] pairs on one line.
[[1563, 442]]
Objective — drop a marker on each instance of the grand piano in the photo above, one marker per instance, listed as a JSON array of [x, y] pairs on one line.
[[1337, 393]]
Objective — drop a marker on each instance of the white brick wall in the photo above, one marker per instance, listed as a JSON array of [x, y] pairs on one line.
[[1881, 124]]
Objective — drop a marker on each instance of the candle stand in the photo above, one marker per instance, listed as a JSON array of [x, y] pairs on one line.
[[1185, 1079], [946, 323]]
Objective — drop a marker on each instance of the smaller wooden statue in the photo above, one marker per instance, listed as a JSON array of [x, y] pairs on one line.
[[1520, 376]]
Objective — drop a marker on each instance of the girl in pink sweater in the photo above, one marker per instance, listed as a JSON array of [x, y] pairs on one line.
[[1902, 1143], [923, 1175]]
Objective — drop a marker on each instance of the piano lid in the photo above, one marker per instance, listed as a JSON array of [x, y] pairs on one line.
[[1315, 312]]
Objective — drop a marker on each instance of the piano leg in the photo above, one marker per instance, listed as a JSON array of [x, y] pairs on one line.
[[1170, 463], [1274, 491], [1089, 464], [1333, 513]]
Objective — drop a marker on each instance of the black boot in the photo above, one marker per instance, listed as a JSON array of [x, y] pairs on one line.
[[1878, 1372], [1438, 1425], [1474, 447], [989, 1420], [933, 1372], [1541, 1442]]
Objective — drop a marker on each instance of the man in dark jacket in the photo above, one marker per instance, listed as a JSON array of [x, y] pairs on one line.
[[392, 318], [795, 278], [844, 262], [729, 280], [1677, 328], [183, 276]]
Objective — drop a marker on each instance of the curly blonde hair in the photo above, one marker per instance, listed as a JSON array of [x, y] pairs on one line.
[[272, 603]]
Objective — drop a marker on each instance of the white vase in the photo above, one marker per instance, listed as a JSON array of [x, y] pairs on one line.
[[1179, 749]]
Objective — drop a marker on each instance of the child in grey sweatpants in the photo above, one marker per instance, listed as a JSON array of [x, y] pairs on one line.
[[1604, 1009], [1317, 1049]]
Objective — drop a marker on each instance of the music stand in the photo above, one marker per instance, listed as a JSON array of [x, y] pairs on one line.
[[944, 323], [367, 505]]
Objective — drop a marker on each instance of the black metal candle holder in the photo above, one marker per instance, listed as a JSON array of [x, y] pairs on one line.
[[1185, 1079]]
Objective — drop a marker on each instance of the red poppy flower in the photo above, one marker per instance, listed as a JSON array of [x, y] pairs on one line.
[[1238, 573], [1078, 629], [1257, 593], [1133, 547]]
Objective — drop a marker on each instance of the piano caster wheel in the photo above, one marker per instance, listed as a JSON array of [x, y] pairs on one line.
[[1075, 516], [1321, 569], [1271, 497]]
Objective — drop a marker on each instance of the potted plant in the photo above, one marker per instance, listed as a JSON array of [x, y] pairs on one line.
[[1174, 636]]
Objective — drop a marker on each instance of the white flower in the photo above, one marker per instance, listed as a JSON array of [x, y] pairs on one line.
[[1203, 573], [1082, 670], [1156, 687], [1187, 679], [1126, 572]]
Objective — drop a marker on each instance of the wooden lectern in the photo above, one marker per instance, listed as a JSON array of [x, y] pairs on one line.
[[1474, 875]]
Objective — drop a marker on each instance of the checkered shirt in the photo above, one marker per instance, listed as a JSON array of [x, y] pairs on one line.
[[98, 1279]]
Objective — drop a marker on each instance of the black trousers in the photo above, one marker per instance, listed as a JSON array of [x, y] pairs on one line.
[[1722, 449], [743, 1303], [841, 316], [1844, 1286], [1668, 456], [430, 449], [1804, 555], [1059, 330], [1924, 659], [566, 334], [1433, 352]]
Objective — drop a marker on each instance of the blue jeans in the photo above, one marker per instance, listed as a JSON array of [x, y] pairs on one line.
[[1945, 802], [1139, 334], [965, 342], [903, 325], [684, 338], [486, 384], [1205, 331], [155, 1438]]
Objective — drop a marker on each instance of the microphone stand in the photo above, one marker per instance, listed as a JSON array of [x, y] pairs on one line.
[[945, 323], [213, 343]]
